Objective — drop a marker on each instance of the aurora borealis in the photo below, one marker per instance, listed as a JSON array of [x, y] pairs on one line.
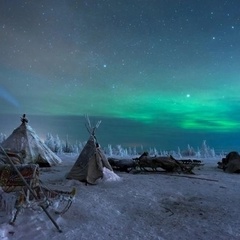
[[160, 72]]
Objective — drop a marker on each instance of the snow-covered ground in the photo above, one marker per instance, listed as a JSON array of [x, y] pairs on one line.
[[137, 206]]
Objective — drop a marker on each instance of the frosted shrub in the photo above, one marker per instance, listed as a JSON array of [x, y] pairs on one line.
[[121, 151], [198, 153], [129, 151], [2, 137], [80, 146], [75, 149], [50, 142], [212, 152], [179, 153], [189, 152], [153, 152], [58, 145], [110, 150], [207, 151], [134, 151]]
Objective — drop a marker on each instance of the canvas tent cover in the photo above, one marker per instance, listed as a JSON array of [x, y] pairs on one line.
[[25, 139], [89, 165]]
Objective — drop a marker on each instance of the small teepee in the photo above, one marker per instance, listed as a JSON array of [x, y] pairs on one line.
[[91, 161], [24, 139]]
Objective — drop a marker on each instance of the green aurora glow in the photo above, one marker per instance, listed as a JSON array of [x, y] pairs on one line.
[[166, 63]]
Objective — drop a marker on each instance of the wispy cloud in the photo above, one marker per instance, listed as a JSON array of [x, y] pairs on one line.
[[5, 95]]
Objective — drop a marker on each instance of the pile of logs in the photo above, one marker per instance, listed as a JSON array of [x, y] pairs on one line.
[[156, 163]]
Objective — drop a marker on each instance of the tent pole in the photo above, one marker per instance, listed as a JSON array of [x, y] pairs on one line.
[[30, 189]]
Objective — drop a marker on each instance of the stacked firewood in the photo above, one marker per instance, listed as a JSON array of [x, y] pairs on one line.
[[156, 163]]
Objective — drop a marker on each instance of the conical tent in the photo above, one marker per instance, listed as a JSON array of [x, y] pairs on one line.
[[89, 165], [24, 139]]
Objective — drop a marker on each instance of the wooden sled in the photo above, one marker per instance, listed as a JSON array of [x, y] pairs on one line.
[[10, 182], [165, 163], [23, 180]]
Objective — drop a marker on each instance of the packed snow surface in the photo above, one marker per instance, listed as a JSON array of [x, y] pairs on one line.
[[136, 206]]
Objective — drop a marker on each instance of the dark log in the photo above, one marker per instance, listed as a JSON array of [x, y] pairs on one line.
[[122, 165]]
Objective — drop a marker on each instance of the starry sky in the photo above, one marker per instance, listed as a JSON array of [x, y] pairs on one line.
[[156, 72]]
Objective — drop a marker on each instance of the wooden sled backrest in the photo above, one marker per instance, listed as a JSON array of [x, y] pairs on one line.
[[10, 180]]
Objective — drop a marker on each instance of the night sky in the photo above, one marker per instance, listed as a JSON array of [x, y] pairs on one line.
[[162, 73]]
